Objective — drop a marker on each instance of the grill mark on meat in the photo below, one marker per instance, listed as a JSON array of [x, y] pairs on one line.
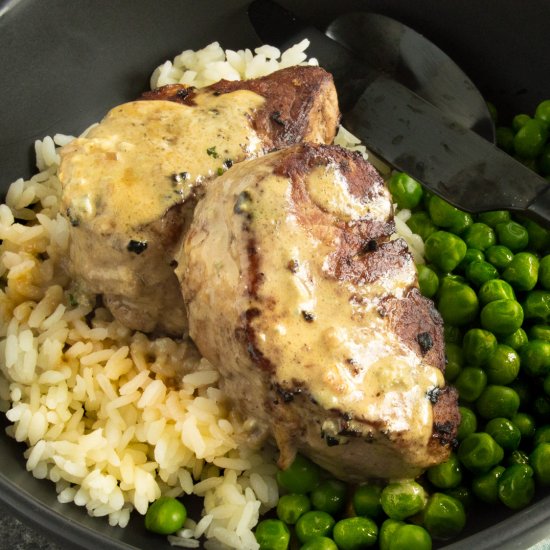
[[255, 277], [247, 336]]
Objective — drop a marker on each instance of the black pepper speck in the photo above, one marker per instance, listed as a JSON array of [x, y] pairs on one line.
[[137, 247]]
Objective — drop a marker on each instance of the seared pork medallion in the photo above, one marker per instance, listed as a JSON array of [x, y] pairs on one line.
[[297, 292], [130, 185]]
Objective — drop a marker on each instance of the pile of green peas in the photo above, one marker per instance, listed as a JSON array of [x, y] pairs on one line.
[[489, 276]]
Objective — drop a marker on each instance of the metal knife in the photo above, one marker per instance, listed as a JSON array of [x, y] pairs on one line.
[[408, 132]]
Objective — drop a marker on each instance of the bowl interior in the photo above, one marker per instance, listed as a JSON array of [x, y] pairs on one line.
[[64, 64]]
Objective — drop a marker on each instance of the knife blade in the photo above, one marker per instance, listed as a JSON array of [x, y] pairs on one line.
[[409, 133]]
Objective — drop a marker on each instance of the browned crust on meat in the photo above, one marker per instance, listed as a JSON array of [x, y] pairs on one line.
[[446, 418], [362, 178], [301, 104], [179, 93], [418, 324], [364, 255], [363, 181]]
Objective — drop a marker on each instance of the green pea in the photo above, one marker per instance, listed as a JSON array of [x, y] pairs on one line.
[[504, 432], [472, 255], [447, 474], [462, 494], [480, 235], [355, 533], [535, 358], [272, 534], [495, 289], [517, 457], [525, 423], [478, 346], [314, 523], [494, 217], [403, 499], [165, 516], [539, 237], [452, 334], [540, 332], [444, 250], [519, 121], [444, 516], [366, 500], [479, 452], [405, 191], [502, 316], [503, 365], [468, 423], [497, 401], [505, 138], [516, 486], [450, 281], [542, 112], [421, 224], [540, 462], [485, 486], [442, 213], [537, 305], [544, 272], [530, 139], [516, 340], [302, 476], [290, 507], [329, 496], [446, 215], [461, 223], [523, 271], [470, 383], [512, 235], [542, 435], [481, 272], [500, 256], [319, 543], [411, 536], [428, 281], [454, 361], [522, 387], [458, 304], [387, 531]]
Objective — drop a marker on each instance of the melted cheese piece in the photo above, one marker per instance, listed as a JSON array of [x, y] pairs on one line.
[[345, 356], [146, 156]]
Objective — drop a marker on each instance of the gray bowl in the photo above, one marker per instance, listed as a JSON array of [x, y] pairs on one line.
[[64, 64]]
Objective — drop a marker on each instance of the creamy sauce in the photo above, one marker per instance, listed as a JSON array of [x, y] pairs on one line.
[[329, 334], [146, 156], [328, 188]]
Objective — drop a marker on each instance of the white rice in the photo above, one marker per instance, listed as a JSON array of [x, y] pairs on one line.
[[114, 419]]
